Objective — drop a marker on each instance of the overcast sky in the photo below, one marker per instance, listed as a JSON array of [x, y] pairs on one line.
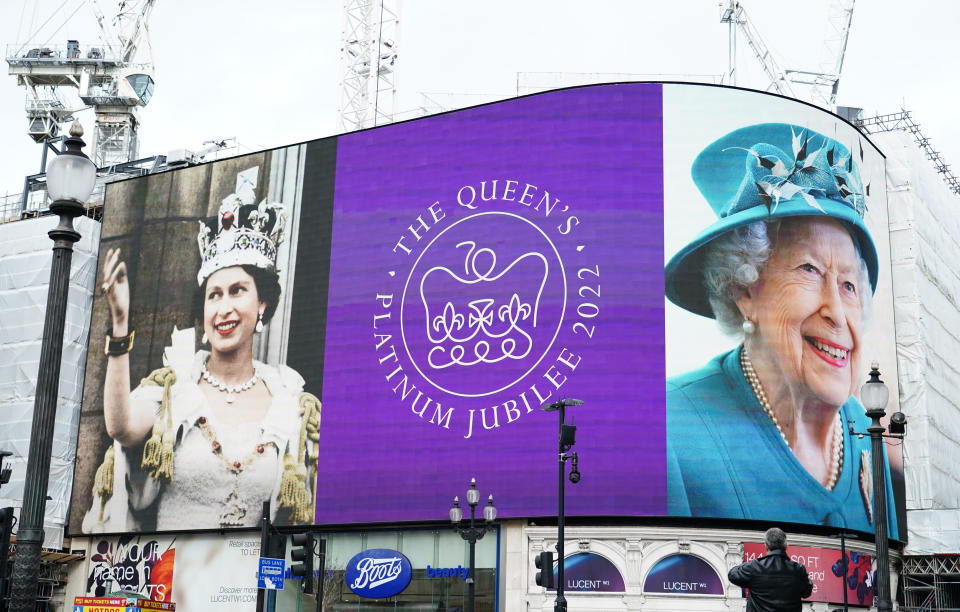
[[268, 73]]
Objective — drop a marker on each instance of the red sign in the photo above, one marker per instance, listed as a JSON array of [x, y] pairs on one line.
[[825, 567], [123, 604]]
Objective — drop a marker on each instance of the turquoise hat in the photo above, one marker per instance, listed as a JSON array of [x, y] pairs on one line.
[[764, 172]]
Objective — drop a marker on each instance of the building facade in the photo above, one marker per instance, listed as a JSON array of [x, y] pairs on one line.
[[441, 280]]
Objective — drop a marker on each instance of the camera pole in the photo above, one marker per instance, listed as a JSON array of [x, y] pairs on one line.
[[560, 603]]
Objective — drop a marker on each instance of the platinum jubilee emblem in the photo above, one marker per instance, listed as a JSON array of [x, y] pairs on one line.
[[480, 330]]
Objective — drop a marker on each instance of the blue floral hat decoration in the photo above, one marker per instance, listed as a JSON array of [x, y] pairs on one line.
[[764, 172]]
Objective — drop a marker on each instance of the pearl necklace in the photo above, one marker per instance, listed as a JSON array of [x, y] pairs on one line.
[[836, 462], [231, 391]]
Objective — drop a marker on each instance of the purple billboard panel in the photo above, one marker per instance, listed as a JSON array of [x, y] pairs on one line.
[[482, 264]]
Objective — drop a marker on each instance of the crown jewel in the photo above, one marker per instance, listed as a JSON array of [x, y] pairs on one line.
[[243, 233]]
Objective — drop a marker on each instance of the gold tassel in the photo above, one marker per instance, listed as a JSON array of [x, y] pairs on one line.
[[103, 480], [164, 470], [310, 428], [310, 445], [152, 450], [296, 490], [293, 495], [158, 451]]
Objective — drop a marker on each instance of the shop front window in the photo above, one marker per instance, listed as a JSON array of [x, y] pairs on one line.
[[438, 584]]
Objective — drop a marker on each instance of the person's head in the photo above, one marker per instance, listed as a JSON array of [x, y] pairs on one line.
[[238, 283], [802, 284], [754, 179], [231, 301], [775, 539], [789, 253]]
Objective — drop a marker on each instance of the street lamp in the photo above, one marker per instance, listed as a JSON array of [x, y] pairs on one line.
[[70, 180], [874, 395], [567, 440], [472, 533]]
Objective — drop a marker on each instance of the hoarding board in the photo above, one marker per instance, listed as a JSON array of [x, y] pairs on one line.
[[440, 280], [826, 569], [205, 572]]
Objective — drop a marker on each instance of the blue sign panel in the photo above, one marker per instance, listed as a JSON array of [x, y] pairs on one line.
[[378, 573], [270, 575]]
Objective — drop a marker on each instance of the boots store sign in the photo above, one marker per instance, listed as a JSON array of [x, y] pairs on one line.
[[378, 572]]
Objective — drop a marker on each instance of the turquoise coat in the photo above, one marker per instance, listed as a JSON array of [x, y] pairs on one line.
[[726, 458]]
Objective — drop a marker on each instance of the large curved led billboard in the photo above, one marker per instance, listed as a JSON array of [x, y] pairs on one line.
[[355, 327]]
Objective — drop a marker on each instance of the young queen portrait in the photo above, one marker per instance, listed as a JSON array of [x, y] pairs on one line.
[[789, 269], [211, 434]]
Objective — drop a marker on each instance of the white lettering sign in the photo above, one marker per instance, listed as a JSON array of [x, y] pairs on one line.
[[374, 572]]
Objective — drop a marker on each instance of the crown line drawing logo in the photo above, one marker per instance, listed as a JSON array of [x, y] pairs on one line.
[[482, 304], [483, 330]]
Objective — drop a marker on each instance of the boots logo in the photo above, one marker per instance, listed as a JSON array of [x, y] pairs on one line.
[[477, 322], [378, 573]]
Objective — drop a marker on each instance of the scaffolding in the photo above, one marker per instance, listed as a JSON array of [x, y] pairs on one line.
[[903, 122], [931, 583]]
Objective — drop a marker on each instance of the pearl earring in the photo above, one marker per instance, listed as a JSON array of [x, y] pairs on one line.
[[748, 327], [204, 340], [259, 327]]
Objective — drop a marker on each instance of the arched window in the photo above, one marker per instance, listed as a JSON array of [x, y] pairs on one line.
[[683, 574], [590, 572]]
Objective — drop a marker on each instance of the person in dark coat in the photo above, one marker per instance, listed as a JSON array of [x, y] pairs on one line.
[[776, 583]]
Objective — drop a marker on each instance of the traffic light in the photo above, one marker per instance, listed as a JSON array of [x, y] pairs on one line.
[[302, 552], [544, 563]]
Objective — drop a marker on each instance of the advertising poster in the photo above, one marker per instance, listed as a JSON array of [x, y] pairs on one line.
[[353, 328], [685, 574], [779, 297], [589, 572], [192, 572], [118, 604], [826, 569]]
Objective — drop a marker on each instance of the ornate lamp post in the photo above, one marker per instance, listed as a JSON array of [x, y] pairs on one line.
[[473, 532], [874, 395], [567, 440], [70, 180]]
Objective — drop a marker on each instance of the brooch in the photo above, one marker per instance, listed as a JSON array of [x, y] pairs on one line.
[[866, 483]]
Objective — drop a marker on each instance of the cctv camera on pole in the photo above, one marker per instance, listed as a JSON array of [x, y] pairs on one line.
[[567, 439]]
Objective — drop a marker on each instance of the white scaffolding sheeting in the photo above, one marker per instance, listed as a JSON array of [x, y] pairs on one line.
[[25, 257], [925, 248]]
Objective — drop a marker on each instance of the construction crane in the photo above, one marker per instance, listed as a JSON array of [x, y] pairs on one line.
[[735, 16], [822, 85], [114, 76], [368, 64]]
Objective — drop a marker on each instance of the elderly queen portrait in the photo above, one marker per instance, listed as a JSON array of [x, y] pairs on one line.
[[789, 269], [210, 434]]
